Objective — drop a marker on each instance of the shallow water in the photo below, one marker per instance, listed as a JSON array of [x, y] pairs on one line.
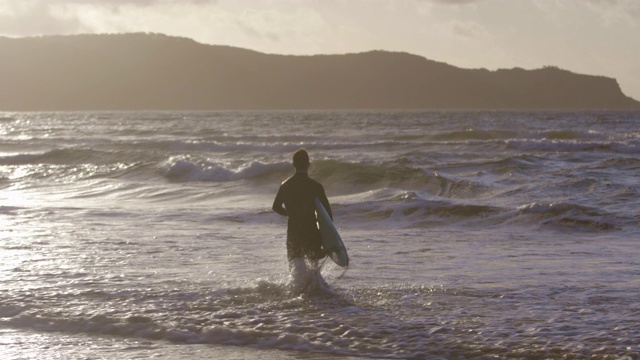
[[471, 235]]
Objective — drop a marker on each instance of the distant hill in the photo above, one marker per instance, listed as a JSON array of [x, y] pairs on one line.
[[150, 71]]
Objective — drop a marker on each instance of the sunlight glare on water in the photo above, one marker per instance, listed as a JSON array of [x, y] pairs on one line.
[[471, 235]]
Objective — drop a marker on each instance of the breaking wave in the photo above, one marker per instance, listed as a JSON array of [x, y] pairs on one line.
[[187, 170]]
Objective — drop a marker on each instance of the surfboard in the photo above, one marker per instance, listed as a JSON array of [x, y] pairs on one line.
[[331, 240]]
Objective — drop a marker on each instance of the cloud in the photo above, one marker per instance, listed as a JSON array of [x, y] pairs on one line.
[[35, 18], [46, 17], [615, 11], [605, 12], [123, 2], [468, 29], [453, 2]]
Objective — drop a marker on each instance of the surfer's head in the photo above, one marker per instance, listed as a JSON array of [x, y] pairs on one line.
[[301, 160]]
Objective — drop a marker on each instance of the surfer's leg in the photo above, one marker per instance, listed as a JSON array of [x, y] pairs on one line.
[[301, 279], [313, 248], [316, 280], [294, 247], [297, 267]]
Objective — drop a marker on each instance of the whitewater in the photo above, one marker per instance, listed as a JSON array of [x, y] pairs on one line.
[[471, 235]]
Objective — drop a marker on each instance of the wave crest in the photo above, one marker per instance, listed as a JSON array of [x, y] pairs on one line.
[[189, 170], [568, 215]]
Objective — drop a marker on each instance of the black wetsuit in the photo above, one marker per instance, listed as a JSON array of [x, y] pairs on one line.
[[298, 194]]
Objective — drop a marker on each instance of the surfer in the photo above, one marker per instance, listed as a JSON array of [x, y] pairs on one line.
[[296, 200]]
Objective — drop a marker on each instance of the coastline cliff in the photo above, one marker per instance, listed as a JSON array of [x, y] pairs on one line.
[[158, 72]]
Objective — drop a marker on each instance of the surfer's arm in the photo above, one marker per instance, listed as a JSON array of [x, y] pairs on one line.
[[325, 204], [278, 205]]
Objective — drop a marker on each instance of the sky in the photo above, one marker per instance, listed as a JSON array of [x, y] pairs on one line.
[[597, 37]]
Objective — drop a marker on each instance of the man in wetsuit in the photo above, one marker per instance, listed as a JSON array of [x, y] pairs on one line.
[[296, 200]]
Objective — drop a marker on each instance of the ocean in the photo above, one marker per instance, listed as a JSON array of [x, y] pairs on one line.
[[472, 235]]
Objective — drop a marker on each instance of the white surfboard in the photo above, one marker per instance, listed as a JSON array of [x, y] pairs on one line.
[[331, 240]]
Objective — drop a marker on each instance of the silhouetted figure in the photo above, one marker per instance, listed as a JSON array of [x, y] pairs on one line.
[[296, 200]]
